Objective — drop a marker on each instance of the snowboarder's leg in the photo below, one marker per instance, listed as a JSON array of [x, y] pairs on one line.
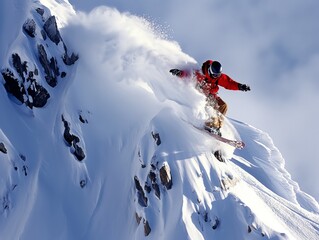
[[216, 119], [221, 106]]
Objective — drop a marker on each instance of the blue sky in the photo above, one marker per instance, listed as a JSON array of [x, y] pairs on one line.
[[270, 45]]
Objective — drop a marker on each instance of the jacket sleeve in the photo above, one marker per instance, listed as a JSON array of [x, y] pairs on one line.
[[228, 83], [188, 73], [185, 73], [199, 76]]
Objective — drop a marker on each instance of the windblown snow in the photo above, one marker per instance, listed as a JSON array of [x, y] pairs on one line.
[[145, 172]]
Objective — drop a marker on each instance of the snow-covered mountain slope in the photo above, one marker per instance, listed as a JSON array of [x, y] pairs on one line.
[[97, 142]]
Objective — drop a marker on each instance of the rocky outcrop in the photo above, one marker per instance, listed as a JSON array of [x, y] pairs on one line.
[[69, 60], [40, 11], [157, 138], [38, 93], [27, 85], [72, 141], [165, 175], [29, 27], [147, 228], [13, 85], [83, 183], [51, 28], [50, 67], [3, 148], [141, 198], [24, 87], [153, 187], [21, 67], [15, 169]]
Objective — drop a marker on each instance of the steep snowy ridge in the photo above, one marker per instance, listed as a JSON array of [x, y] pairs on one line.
[[264, 162], [109, 151]]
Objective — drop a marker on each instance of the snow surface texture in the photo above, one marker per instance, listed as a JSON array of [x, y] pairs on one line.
[[131, 118]]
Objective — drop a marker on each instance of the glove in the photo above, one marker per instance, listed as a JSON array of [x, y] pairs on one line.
[[176, 72], [243, 87]]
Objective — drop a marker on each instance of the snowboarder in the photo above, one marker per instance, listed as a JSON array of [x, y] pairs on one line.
[[209, 78]]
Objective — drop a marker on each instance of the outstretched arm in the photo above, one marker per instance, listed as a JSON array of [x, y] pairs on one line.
[[228, 83], [180, 73]]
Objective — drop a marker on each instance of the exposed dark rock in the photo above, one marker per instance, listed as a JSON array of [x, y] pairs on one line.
[[44, 35], [22, 157], [40, 96], [155, 186], [138, 218], [143, 165], [166, 177], [20, 66], [218, 154], [83, 183], [54, 67], [147, 228], [25, 170], [29, 27], [3, 148], [14, 186], [152, 176], [157, 190], [13, 85], [147, 188], [5, 203], [82, 119], [50, 67], [205, 216], [215, 223], [142, 199], [68, 137], [78, 151], [40, 11], [38, 93], [51, 28], [157, 138], [70, 60], [153, 166], [52, 32], [63, 74], [35, 95], [20, 82], [72, 141]]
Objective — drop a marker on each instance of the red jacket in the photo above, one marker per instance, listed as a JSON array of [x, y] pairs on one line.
[[211, 85]]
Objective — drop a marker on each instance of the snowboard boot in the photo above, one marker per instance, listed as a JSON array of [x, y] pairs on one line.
[[215, 131], [214, 125]]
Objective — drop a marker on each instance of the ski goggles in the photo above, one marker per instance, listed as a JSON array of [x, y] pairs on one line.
[[216, 75], [212, 74]]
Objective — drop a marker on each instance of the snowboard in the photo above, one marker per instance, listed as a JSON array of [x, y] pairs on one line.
[[234, 143]]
